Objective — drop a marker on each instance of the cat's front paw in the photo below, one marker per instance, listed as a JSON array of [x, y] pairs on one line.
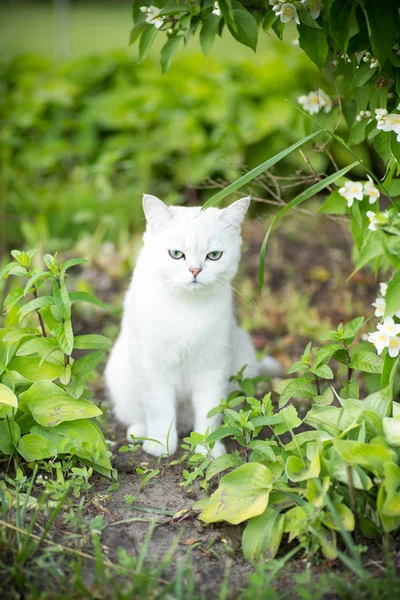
[[161, 447]]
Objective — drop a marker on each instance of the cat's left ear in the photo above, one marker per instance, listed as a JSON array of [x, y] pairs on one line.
[[156, 212], [233, 215]]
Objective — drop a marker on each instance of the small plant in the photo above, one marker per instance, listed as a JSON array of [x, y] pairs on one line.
[[129, 499], [146, 475], [46, 410]]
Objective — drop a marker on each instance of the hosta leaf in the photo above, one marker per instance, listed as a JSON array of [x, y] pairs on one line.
[[371, 457], [50, 405], [241, 495], [34, 447], [297, 470], [345, 515], [7, 396], [391, 430], [31, 368], [9, 435], [390, 505], [262, 536]]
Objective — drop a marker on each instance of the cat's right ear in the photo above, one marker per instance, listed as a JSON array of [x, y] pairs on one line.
[[155, 211]]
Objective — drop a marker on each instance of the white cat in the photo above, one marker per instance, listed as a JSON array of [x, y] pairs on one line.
[[179, 338]]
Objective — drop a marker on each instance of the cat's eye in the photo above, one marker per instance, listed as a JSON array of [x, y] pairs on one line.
[[215, 255], [176, 254]]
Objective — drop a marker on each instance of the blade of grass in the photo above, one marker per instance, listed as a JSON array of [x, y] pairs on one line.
[[235, 185], [305, 195]]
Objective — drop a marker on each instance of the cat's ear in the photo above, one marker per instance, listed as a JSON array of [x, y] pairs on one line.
[[233, 215], [156, 212]]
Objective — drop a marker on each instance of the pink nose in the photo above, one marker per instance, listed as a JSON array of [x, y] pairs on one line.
[[195, 272]]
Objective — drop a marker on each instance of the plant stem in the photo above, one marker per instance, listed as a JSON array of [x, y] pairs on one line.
[[318, 386], [352, 500], [349, 369], [34, 290]]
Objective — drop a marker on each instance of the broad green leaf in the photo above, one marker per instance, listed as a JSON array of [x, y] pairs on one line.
[[391, 430], [32, 280], [343, 23], [326, 398], [392, 296], [298, 470], [62, 301], [371, 457], [322, 371], [227, 461], [34, 447], [227, 12], [39, 345], [245, 30], [352, 328], [174, 9], [208, 32], [35, 305], [335, 204], [338, 469], [302, 197], [146, 40], [92, 342], [222, 432], [390, 367], [363, 75], [72, 262], [290, 420], [241, 495], [7, 396], [9, 435], [301, 387], [313, 42], [65, 336], [325, 353], [370, 249], [390, 506], [31, 368], [15, 335], [136, 32], [332, 419], [12, 298], [75, 387], [167, 51], [269, 20], [389, 523], [245, 179], [50, 405], [84, 365], [262, 535], [368, 362], [86, 297], [345, 515], [263, 448], [7, 268], [383, 23]]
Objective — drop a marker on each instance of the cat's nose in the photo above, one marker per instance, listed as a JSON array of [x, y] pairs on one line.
[[195, 272]]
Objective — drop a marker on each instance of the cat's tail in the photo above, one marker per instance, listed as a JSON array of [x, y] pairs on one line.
[[271, 367]]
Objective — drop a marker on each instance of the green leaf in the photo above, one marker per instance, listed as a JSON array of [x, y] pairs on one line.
[[371, 457], [305, 17], [38, 345], [269, 20], [7, 268], [323, 371], [301, 387], [15, 335], [86, 297], [343, 23], [34, 447], [9, 435], [345, 515], [75, 387], [208, 32], [65, 336], [313, 42], [390, 505], [227, 12], [136, 32], [31, 368], [246, 30], [227, 461], [92, 342], [84, 365], [333, 420], [167, 51], [7, 396], [368, 362], [370, 249], [383, 22], [326, 398], [352, 328], [335, 204], [146, 40], [391, 430], [389, 370], [302, 197], [363, 75], [241, 495], [289, 418], [12, 298], [262, 535], [35, 277], [62, 301], [325, 353], [35, 305], [392, 296], [297, 470], [245, 179], [50, 405], [174, 9]]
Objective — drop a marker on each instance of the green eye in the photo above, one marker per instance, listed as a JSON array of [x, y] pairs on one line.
[[215, 255], [176, 254]]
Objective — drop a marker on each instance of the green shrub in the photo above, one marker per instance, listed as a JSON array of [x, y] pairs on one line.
[[45, 406]]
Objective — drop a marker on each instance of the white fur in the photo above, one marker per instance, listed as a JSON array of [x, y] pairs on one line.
[[179, 338]]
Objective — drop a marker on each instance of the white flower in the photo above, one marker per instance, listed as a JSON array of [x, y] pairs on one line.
[[379, 340], [373, 221], [153, 15], [314, 7], [389, 327], [352, 190], [314, 102], [383, 288], [394, 347], [216, 10], [380, 307], [387, 122], [374, 63], [286, 12], [371, 191]]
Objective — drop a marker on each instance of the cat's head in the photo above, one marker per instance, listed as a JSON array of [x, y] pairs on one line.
[[192, 249]]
